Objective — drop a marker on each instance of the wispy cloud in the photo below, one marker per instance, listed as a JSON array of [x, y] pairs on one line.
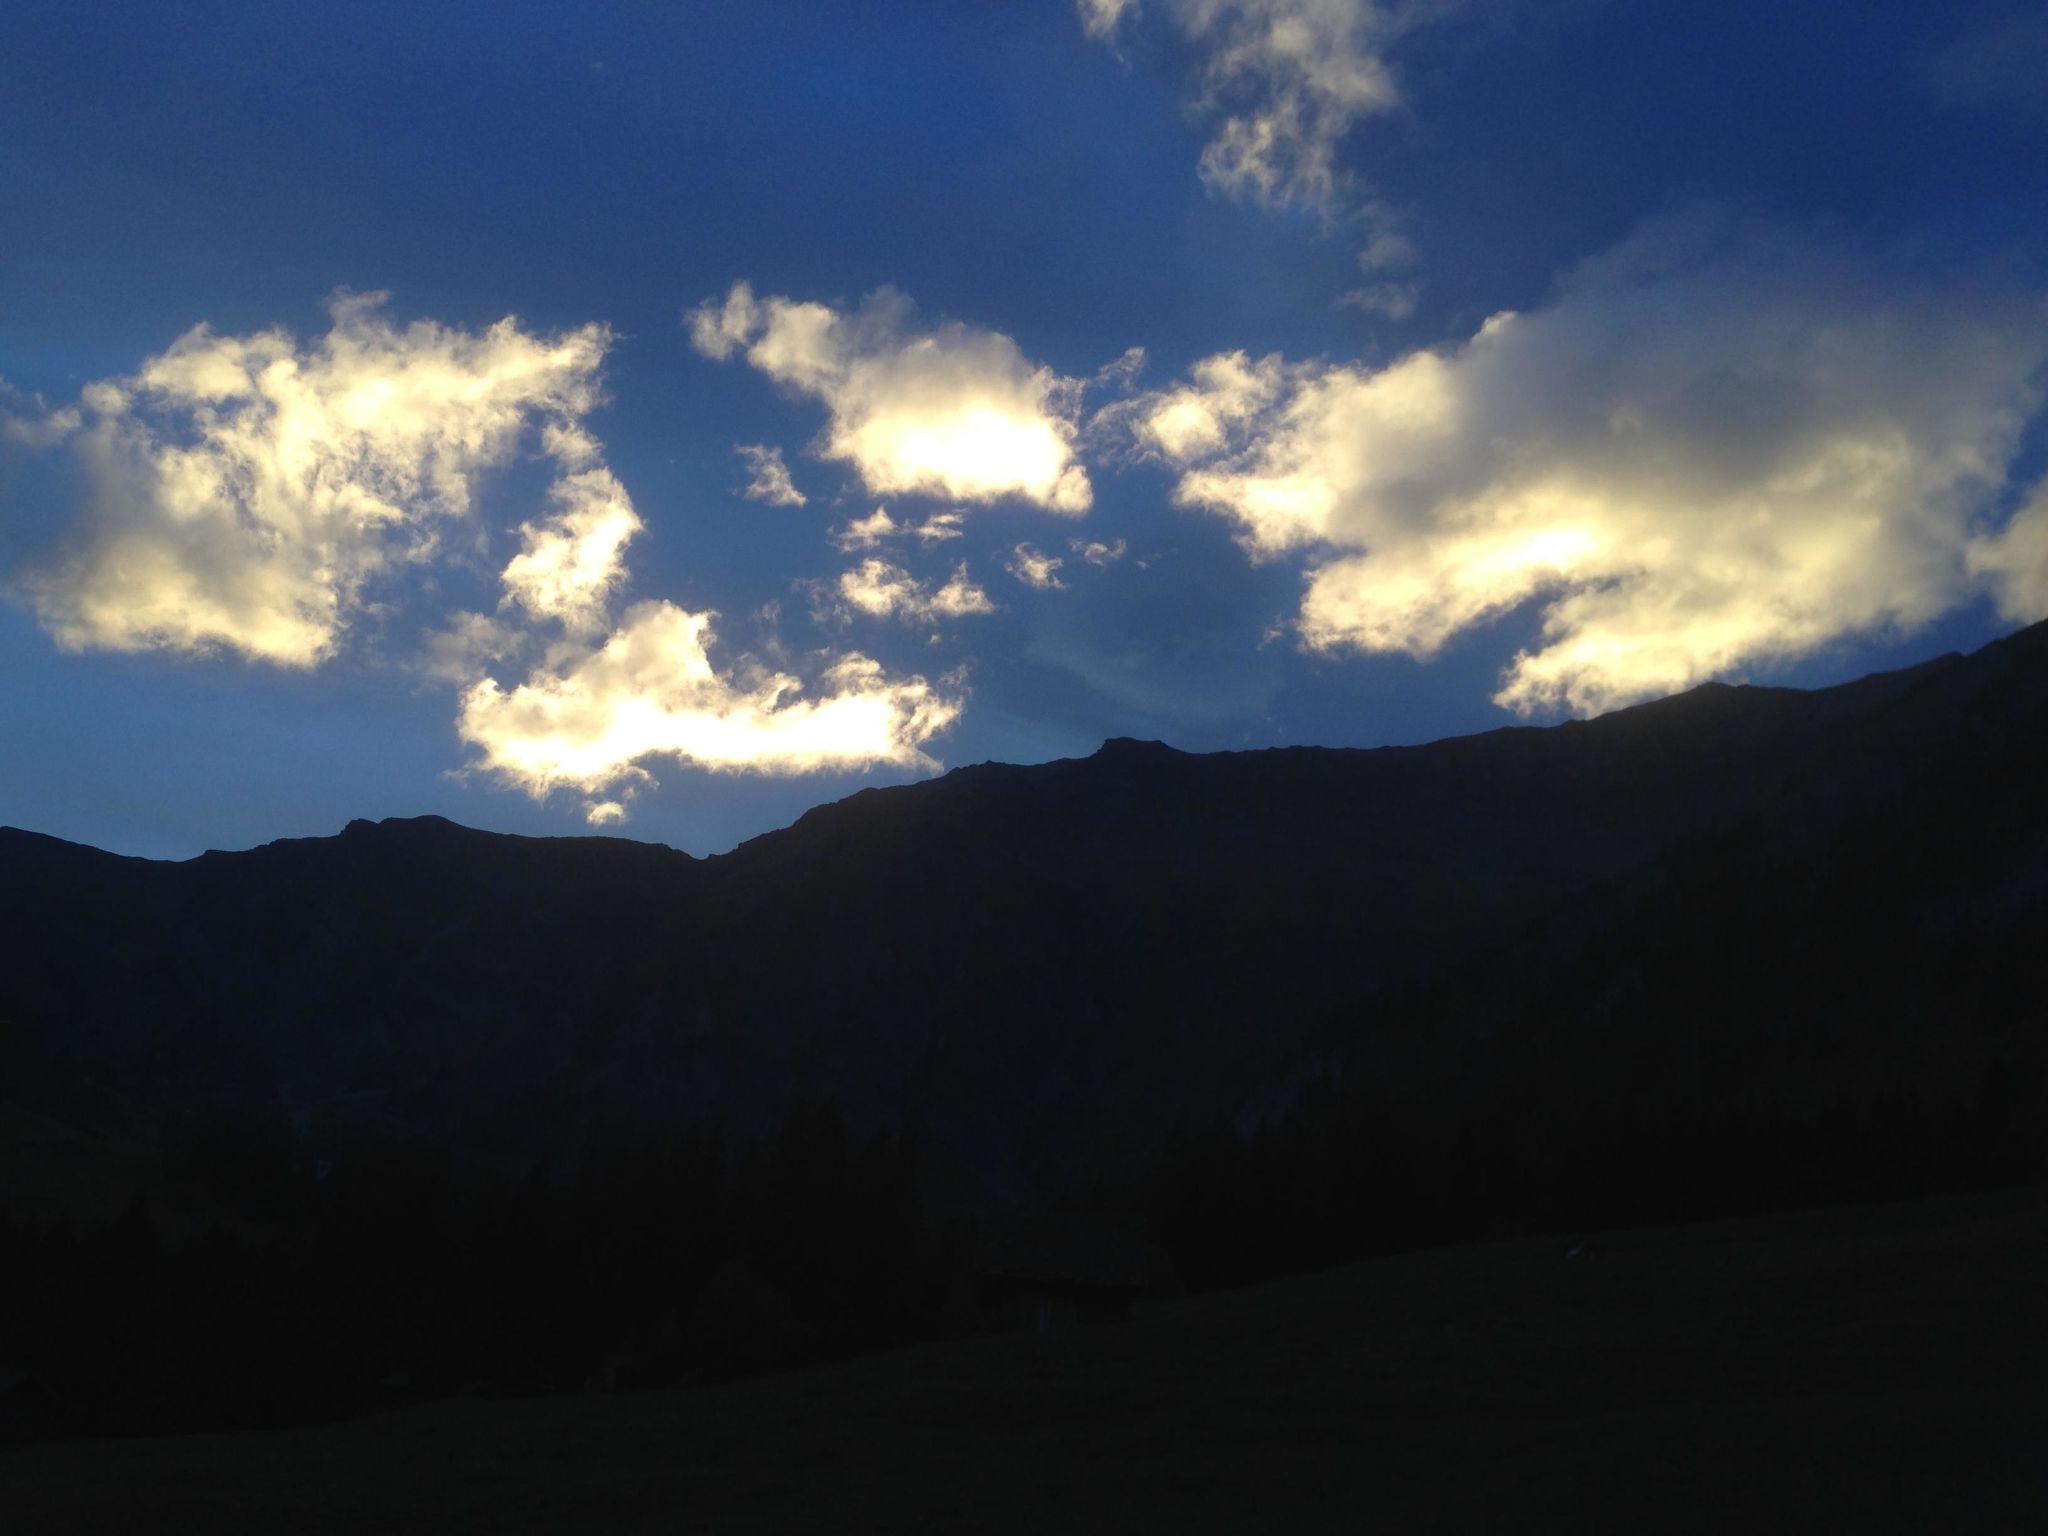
[[878, 528], [1096, 552], [768, 477], [882, 590], [1284, 82], [1034, 567]]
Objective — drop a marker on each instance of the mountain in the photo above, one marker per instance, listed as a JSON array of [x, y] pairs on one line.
[[1042, 970]]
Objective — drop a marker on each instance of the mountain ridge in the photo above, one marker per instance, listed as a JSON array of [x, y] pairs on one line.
[[1112, 749], [1042, 967]]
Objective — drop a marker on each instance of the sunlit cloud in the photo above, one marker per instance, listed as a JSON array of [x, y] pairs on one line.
[[1096, 552], [1034, 567], [246, 489], [593, 720], [878, 527], [768, 477], [1717, 447], [573, 560], [882, 590], [953, 411]]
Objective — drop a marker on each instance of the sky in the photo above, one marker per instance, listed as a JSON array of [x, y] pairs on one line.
[[659, 420]]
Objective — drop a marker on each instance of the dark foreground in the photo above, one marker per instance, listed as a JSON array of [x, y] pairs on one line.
[[1869, 1368]]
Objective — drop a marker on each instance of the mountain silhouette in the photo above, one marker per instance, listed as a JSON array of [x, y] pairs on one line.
[[1042, 970]]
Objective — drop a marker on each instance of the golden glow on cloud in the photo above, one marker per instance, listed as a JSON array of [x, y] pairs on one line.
[[573, 560], [882, 590], [955, 411], [246, 490], [1694, 460], [590, 721]]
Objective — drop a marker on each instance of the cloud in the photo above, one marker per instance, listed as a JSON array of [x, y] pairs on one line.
[[591, 721], [867, 532], [768, 477], [2013, 560], [574, 560], [1095, 552], [466, 645], [1387, 254], [954, 410], [722, 328], [884, 591], [1286, 81], [1101, 18], [878, 527], [1719, 446], [247, 489], [1033, 567], [26, 419], [939, 527]]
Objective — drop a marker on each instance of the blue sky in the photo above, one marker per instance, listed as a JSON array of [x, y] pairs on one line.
[[1768, 406]]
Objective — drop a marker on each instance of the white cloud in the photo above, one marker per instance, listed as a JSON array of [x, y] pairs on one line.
[[867, 532], [1287, 79], [249, 489], [939, 527], [1095, 552], [720, 329], [1715, 448], [573, 560], [768, 477], [881, 590], [592, 720], [246, 489], [1033, 567], [878, 527], [954, 411]]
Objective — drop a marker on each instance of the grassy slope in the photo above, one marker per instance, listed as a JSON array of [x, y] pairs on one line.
[[1870, 1368]]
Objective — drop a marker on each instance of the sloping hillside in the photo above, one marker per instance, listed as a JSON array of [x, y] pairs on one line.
[[1870, 1369]]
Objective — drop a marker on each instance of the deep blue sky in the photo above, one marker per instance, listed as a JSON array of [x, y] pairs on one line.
[[167, 164]]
